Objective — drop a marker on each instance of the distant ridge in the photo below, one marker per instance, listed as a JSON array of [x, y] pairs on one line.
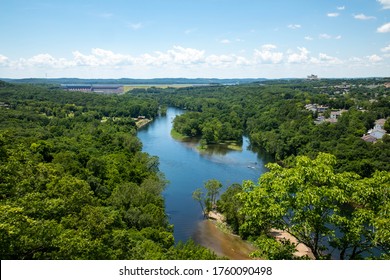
[[125, 81]]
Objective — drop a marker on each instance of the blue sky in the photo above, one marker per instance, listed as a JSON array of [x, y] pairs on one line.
[[194, 38]]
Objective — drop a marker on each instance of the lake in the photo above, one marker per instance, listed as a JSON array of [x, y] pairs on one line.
[[187, 169]]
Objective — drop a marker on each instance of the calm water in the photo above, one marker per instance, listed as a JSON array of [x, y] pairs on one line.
[[187, 169]]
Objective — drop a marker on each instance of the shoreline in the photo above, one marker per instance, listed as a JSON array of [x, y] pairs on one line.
[[229, 145], [142, 122], [302, 250]]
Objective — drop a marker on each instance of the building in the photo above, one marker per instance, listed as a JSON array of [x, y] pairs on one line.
[[368, 138], [375, 133], [312, 77], [316, 108], [93, 88], [77, 87]]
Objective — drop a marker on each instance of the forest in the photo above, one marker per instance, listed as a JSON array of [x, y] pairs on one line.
[[327, 187], [75, 184]]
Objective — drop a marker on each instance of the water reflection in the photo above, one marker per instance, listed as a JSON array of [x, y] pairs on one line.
[[186, 168]]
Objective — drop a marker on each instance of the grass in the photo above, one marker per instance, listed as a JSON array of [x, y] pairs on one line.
[[178, 136], [127, 88]]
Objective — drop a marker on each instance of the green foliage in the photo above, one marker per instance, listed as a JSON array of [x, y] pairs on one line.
[[229, 206], [74, 183], [323, 209], [270, 249], [274, 117], [208, 202]]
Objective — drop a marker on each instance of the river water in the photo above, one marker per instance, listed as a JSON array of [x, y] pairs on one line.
[[187, 169]]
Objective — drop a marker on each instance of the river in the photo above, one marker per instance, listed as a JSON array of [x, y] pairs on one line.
[[187, 169]]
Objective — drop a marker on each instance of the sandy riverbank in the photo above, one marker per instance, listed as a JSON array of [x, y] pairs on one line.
[[223, 244], [142, 122], [232, 246]]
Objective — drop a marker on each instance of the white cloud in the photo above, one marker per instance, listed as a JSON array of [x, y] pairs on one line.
[[135, 26], [385, 49], [384, 3], [328, 37], [327, 59], [225, 41], [363, 17], [341, 8], [332, 14], [300, 57], [308, 38], [3, 60], [100, 57], [186, 55], [267, 60], [384, 28], [294, 26], [266, 54], [374, 58], [325, 36]]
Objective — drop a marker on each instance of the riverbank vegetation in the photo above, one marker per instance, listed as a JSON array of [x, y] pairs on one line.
[[74, 183], [330, 188], [274, 117]]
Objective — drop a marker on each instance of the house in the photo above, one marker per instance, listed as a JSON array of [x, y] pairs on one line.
[[378, 133], [375, 133], [316, 108], [322, 109], [335, 115], [380, 124], [369, 138]]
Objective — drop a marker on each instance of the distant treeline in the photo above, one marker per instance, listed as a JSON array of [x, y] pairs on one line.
[[127, 81]]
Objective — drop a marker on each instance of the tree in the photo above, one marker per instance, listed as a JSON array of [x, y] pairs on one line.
[[213, 187], [198, 195], [321, 208]]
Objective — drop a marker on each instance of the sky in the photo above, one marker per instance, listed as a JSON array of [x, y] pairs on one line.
[[194, 38]]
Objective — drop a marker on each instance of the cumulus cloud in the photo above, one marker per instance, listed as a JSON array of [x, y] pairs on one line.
[[363, 17], [225, 41], [374, 58], [385, 3], [302, 56], [385, 49], [325, 59], [186, 55], [384, 28], [341, 8], [332, 14], [3, 60], [100, 57], [188, 61], [267, 55]]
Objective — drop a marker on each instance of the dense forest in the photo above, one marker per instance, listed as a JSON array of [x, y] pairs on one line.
[[274, 117], [74, 183], [329, 188]]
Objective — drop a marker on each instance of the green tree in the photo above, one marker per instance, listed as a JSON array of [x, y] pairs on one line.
[[313, 203], [198, 195], [213, 188]]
